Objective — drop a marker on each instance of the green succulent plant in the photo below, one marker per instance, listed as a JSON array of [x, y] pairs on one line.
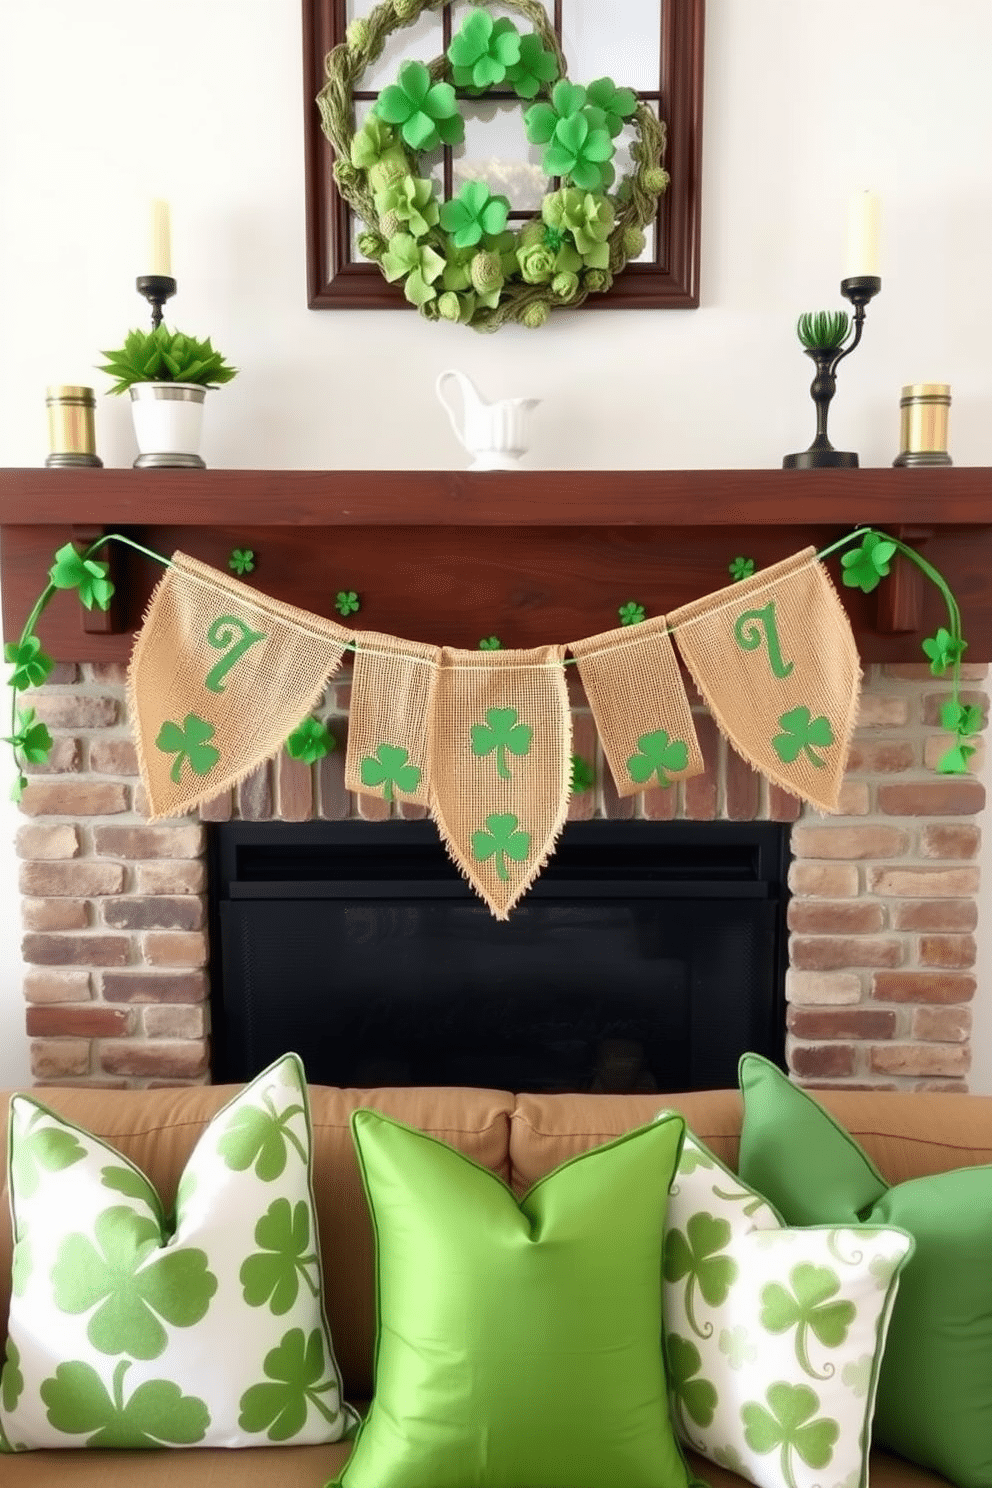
[[826, 330], [162, 355]]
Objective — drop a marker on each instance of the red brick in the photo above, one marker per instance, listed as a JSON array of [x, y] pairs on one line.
[[919, 671], [942, 1087], [942, 1025], [940, 798], [956, 952], [77, 879], [615, 806], [158, 987], [73, 798], [819, 988], [64, 758], [782, 805], [175, 948], [56, 986], [935, 914], [63, 674], [334, 799], [75, 710], [110, 673], [371, 808], [183, 1059], [960, 840], [52, 1059], [920, 1059], [701, 791], [295, 788], [877, 711], [86, 1020], [743, 789], [822, 917], [837, 953], [827, 881], [113, 757], [409, 811], [881, 756], [181, 1022], [255, 795], [846, 844], [923, 986], [924, 883], [39, 840], [218, 809], [187, 841], [54, 914], [183, 913], [76, 950], [821, 1059], [937, 746], [854, 798], [171, 878], [582, 804], [934, 702], [841, 1023]]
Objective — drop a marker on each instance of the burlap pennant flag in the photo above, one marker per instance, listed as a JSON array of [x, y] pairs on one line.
[[501, 766], [632, 680], [220, 676], [392, 701], [776, 661]]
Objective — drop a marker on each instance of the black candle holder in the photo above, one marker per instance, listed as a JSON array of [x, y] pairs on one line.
[[821, 453], [156, 288]]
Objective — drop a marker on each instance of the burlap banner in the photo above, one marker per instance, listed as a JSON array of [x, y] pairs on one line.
[[389, 727], [631, 677], [775, 659], [220, 676], [501, 766]]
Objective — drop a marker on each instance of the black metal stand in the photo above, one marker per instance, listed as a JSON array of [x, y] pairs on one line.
[[156, 288], [821, 453]]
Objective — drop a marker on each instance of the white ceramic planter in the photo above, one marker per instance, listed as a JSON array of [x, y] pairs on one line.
[[168, 419]]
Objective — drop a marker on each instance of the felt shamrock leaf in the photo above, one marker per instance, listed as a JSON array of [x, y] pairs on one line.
[[273, 1274], [802, 733], [631, 613], [583, 777], [410, 202], [11, 1379], [788, 1425], [426, 113], [490, 643], [31, 664], [541, 122], [390, 767], [616, 103], [295, 1367], [695, 1257], [261, 1137], [71, 571], [188, 741], [502, 839], [347, 602], [130, 1296], [32, 739], [157, 1414], [807, 1308], [41, 1149], [473, 214], [695, 1398], [866, 567], [740, 568], [657, 754], [242, 561], [501, 731], [581, 153], [955, 760], [18, 788], [482, 50], [943, 650], [961, 718], [420, 264], [536, 67], [310, 741]]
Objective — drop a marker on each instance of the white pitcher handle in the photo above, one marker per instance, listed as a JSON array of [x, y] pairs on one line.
[[448, 408]]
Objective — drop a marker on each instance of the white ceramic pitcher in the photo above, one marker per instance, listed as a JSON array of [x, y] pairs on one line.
[[495, 434]]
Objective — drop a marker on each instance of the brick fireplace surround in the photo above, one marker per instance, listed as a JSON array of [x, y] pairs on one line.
[[882, 919]]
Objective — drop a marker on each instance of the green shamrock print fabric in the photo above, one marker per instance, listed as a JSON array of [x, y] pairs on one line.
[[773, 1336], [130, 1328]]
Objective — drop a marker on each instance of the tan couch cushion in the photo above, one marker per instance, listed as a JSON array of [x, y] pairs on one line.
[[253, 1467]]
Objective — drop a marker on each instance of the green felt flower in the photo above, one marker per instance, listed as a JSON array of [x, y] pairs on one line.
[[310, 741], [537, 260], [31, 664], [71, 571], [347, 602], [502, 839], [866, 567], [583, 776], [455, 308], [802, 734], [373, 142], [588, 218], [567, 102], [537, 67], [740, 568], [418, 264], [425, 112], [490, 643], [617, 104], [631, 613], [32, 739], [473, 214], [242, 561], [565, 285], [407, 204], [535, 315], [597, 281], [944, 650], [579, 146], [482, 50]]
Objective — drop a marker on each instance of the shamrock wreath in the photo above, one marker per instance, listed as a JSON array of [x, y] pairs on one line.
[[457, 260]]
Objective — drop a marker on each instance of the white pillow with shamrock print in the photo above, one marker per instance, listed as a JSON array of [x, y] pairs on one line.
[[128, 1332], [774, 1336]]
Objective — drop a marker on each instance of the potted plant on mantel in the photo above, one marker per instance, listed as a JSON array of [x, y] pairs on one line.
[[167, 374]]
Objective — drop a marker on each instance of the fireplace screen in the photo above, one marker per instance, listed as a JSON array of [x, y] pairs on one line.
[[647, 957]]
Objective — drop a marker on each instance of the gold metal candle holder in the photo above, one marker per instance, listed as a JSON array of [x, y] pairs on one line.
[[71, 434], [923, 424]]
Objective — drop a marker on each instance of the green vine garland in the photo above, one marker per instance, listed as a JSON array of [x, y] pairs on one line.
[[456, 259]]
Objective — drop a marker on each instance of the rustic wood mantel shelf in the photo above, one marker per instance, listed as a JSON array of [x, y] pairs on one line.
[[533, 557]]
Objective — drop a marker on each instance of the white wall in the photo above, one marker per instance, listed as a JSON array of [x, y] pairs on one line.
[[104, 105]]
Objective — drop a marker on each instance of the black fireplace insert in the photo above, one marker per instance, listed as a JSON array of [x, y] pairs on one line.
[[647, 957]]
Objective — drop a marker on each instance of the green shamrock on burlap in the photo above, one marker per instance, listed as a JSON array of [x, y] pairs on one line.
[[483, 50], [808, 1308], [188, 741], [389, 768], [502, 732], [801, 733], [158, 1413], [41, 1149], [71, 571], [295, 1367], [502, 839], [31, 664], [694, 1256], [273, 1274], [944, 650], [864, 568], [310, 741], [131, 1297], [788, 1424], [657, 754], [695, 1398], [426, 112], [261, 1137]]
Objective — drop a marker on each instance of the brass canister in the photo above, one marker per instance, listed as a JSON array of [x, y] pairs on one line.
[[71, 432], [924, 408]]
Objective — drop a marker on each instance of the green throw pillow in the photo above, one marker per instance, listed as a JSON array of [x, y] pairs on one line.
[[518, 1343], [935, 1390], [130, 1330]]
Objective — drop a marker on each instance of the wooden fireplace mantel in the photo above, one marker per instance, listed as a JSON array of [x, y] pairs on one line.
[[532, 557]]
